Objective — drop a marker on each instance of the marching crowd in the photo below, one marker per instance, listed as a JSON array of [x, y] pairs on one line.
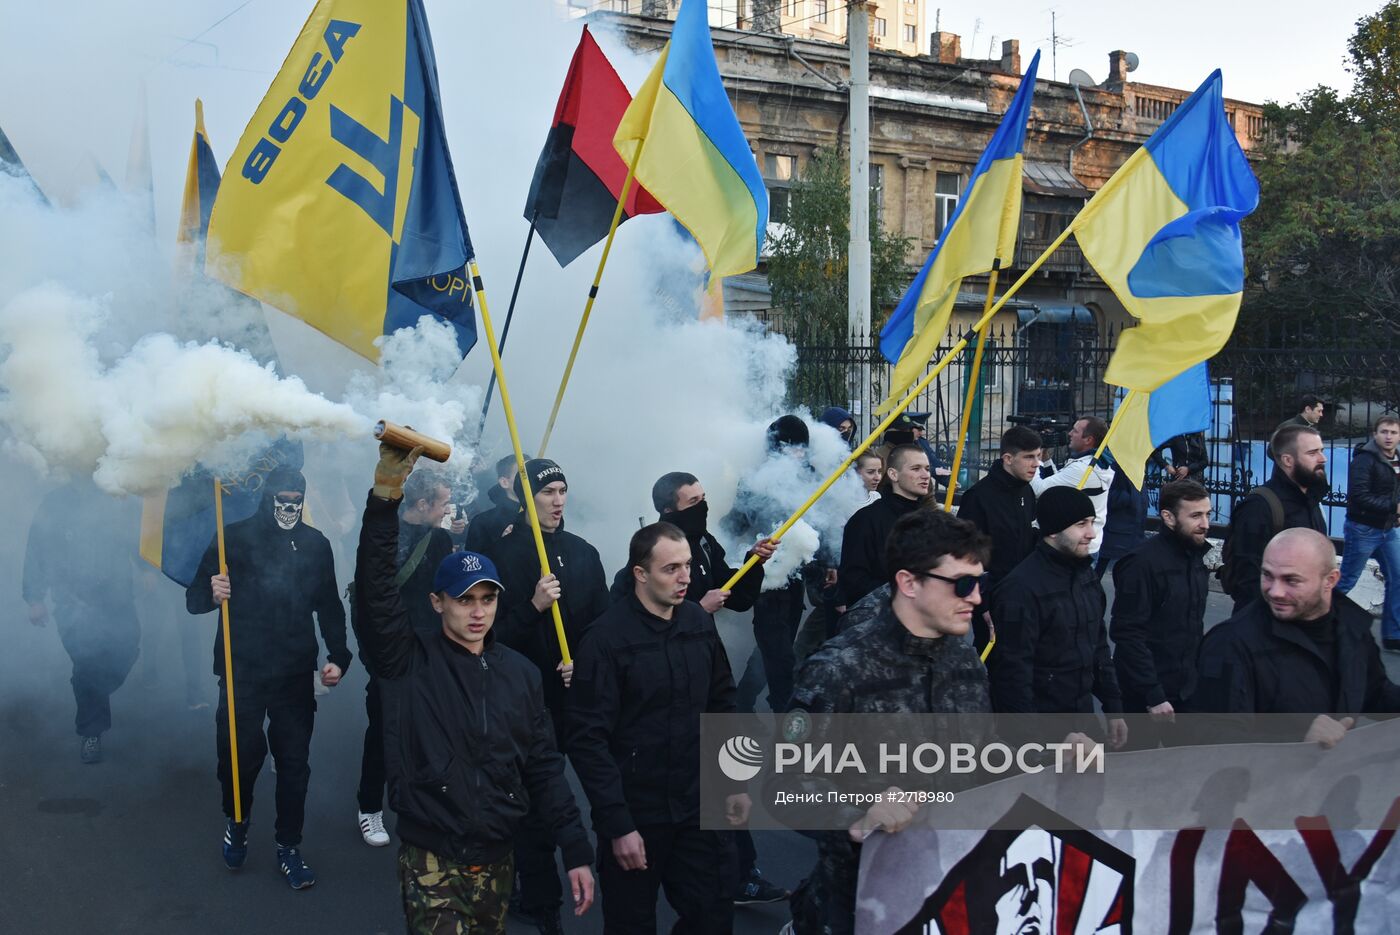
[[473, 705]]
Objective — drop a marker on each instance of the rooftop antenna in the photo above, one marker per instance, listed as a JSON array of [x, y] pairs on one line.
[[1056, 40], [991, 47]]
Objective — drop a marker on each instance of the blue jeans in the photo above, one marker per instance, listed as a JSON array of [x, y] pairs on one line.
[[1363, 542]]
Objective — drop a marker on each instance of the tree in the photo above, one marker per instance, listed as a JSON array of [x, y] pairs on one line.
[[1323, 249], [808, 266]]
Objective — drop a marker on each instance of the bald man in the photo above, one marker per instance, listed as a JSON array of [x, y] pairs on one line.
[[1303, 650]]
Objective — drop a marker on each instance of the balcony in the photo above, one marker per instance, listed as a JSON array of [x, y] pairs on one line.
[[1067, 259]]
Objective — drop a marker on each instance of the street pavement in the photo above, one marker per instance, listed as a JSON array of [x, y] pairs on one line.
[[132, 844]]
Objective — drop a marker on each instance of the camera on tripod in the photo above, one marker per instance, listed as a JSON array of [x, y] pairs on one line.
[[1053, 433]]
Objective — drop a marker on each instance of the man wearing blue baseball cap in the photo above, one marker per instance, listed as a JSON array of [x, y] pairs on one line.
[[468, 742]]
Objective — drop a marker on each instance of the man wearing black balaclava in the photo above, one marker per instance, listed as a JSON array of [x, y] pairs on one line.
[[280, 573], [525, 623]]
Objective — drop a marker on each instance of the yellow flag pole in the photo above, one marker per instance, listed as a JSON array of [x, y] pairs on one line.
[[971, 394], [592, 294], [528, 495], [1112, 427], [918, 388], [228, 655]]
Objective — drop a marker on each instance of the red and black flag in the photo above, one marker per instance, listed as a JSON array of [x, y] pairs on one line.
[[580, 175]]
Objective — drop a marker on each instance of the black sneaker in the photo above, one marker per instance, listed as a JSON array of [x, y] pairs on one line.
[[299, 876], [90, 750], [547, 922], [757, 890], [235, 844]]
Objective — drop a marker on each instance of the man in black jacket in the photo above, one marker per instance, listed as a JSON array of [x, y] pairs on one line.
[[1052, 655], [1373, 497], [423, 544], [280, 573], [468, 743], [489, 525], [1288, 501], [646, 672], [1302, 650], [577, 584], [1002, 505], [1159, 606], [863, 543]]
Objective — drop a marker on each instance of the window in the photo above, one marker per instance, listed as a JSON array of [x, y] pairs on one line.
[[779, 172], [945, 200], [881, 27], [911, 32], [820, 8], [877, 196], [791, 7]]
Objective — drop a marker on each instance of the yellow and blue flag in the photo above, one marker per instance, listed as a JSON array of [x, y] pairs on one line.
[[980, 237], [694, 157], [1164, 233], [177, 525], [339, 205], [1148, 420]]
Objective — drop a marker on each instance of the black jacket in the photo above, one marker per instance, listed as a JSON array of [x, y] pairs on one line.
[[1372, 491], [278, 579], [1003, 508], [1252, 526], [708, 570], [486, 528], [584, 597], [1159, 606], [467, 739], [419, 585], [1256, 664], [862, 567], [1189, 451], [81, 550], [640, 686], [1052, 650]]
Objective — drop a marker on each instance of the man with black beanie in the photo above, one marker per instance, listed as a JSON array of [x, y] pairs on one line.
[[1052, 654], [285, 574], [577, 584]]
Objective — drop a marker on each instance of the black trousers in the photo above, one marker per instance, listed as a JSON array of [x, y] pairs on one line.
[[695, 868], [103, 644], [541, 888], [371, 794], [776, 616], [288, 707]]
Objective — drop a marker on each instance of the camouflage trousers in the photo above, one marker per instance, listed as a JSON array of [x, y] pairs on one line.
[[441, 897]]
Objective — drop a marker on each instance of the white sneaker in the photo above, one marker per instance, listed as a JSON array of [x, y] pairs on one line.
[[372, 829]]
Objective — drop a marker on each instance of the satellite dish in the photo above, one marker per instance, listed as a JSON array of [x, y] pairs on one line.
[[1081, 78], [1132, 60]]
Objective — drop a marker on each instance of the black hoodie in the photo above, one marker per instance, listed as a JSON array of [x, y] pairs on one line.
[[278, 579], [863, 545], [1003, 507], [486, 528], [584, 598]]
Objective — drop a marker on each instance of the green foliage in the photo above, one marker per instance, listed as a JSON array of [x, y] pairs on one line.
[[808, 265], [1323, 249]]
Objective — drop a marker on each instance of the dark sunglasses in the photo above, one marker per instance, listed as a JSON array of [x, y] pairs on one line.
[[963, 585]]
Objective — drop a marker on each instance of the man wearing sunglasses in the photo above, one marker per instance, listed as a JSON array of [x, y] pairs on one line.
[[1052, 654], [896, 662]]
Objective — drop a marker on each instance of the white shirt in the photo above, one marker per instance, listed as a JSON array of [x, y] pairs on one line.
[[1068, 476]]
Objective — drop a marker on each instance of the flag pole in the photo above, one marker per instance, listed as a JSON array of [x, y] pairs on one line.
[[971, 390], [527, 494], [908, 399], [510, 315], [592, 294], [1112, 427], [228, 656]]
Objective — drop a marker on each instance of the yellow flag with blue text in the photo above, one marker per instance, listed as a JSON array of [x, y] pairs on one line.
[[339, 205], [980, 237]]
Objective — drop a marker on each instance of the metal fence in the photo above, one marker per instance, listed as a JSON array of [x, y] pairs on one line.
[[1051, 373]]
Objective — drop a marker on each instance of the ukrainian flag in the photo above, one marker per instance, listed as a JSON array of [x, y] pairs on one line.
[[339, 205], [980, 237], [694, 158], [1146, 421], [1164, 233]]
